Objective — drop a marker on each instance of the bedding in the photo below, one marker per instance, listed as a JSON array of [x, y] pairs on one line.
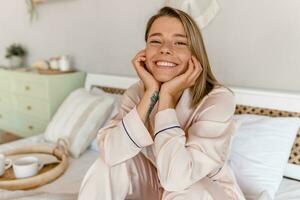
[[295, 159], [293, 168], [288, 190], [292, 171], [117, 102], [78, 119], [65, 187], [260, 152]]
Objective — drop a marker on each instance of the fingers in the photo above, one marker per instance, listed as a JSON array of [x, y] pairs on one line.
[[143, 51], [197, 65], [139, 61], [140, 56], [197, 69]]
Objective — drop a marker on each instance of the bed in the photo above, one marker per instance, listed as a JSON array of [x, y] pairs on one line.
[[67, 186]]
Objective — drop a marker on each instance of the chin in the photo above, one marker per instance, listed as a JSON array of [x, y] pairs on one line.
[[163, 77]]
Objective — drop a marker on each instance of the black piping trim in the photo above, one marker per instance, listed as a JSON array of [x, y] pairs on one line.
[[165, 130], [129, 135], [215, 173], [291, 178]]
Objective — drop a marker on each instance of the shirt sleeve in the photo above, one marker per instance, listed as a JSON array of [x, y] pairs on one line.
[[183, 158], [125, 135]]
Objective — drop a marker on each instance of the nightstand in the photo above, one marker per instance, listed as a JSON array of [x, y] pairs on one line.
[[28, 100]]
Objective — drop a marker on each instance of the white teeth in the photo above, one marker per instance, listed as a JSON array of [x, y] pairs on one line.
[[166, 64]]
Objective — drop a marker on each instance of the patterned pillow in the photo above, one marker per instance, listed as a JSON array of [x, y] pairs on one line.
[[295, 153], [78, 119]]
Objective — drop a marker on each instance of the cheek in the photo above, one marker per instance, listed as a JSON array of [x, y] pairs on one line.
[[149, 51], [185, 60]]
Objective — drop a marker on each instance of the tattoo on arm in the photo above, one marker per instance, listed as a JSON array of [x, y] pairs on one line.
[[154, 99]]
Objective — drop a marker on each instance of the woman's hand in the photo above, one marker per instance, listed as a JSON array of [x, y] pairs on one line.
[[152, 87], [172, 90], [139, 64]]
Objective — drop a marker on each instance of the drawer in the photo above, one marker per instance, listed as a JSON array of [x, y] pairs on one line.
[[28, 126], [6, 100], [31, 88], [5, 83], [6, 117], [33, 107]]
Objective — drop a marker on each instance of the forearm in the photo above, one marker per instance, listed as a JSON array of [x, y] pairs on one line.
[[145, 107], [167, 101], [128, 133], [188, 160]]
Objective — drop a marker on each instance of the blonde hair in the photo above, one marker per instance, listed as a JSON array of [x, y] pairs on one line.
[[206, 81]]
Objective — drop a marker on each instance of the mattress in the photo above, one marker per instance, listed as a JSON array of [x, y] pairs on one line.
[[67, 186]]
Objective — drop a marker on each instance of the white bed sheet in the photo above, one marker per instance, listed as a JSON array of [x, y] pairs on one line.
[[67, 186], [288, 190]]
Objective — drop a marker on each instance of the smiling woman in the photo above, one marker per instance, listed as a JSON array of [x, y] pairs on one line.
[[171, 137], [167, 50]]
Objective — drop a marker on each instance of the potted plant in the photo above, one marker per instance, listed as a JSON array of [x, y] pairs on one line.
[[16, 54]]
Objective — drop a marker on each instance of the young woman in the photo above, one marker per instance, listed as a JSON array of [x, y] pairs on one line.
[[171, 137]]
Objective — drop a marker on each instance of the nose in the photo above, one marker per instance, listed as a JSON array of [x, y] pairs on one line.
[[165, 49]]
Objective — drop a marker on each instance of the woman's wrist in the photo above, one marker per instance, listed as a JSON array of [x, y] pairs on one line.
[[165, 101], [151, 90]]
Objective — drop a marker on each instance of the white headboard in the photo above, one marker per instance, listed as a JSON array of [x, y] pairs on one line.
[[244, 96]]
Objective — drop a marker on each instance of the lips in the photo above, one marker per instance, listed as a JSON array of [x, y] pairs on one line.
[[165, 64]]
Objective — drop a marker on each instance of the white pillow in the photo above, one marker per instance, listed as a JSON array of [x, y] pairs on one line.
[[292, 171], [78, 119], [115, 110], [117, 101], [260, 152]]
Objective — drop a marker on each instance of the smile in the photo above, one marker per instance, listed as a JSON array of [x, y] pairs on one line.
[[165, 64]]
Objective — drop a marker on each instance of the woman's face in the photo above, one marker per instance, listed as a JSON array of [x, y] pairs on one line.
[[167, 51]]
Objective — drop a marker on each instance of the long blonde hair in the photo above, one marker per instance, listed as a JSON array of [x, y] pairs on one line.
[[206, 81]]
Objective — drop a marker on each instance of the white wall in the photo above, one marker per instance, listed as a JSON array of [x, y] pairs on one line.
[[250, 43], [256, 43]]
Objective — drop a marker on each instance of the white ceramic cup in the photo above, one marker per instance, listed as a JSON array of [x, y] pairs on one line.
[[5, 163], [26, 166], [65, 63]]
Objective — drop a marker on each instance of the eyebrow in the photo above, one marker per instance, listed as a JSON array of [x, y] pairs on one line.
[[176, 35]]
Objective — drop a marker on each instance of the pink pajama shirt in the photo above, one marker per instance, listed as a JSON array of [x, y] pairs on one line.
[[185, 159]]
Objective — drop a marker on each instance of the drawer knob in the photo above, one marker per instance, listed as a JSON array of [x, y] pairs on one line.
[[30, 127], [29, 107], [27, 88]]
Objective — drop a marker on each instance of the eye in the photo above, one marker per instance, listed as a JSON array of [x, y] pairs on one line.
[[180, 43], [154, 42]]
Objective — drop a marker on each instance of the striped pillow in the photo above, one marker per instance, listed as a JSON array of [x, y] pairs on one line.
[[78, 119]]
